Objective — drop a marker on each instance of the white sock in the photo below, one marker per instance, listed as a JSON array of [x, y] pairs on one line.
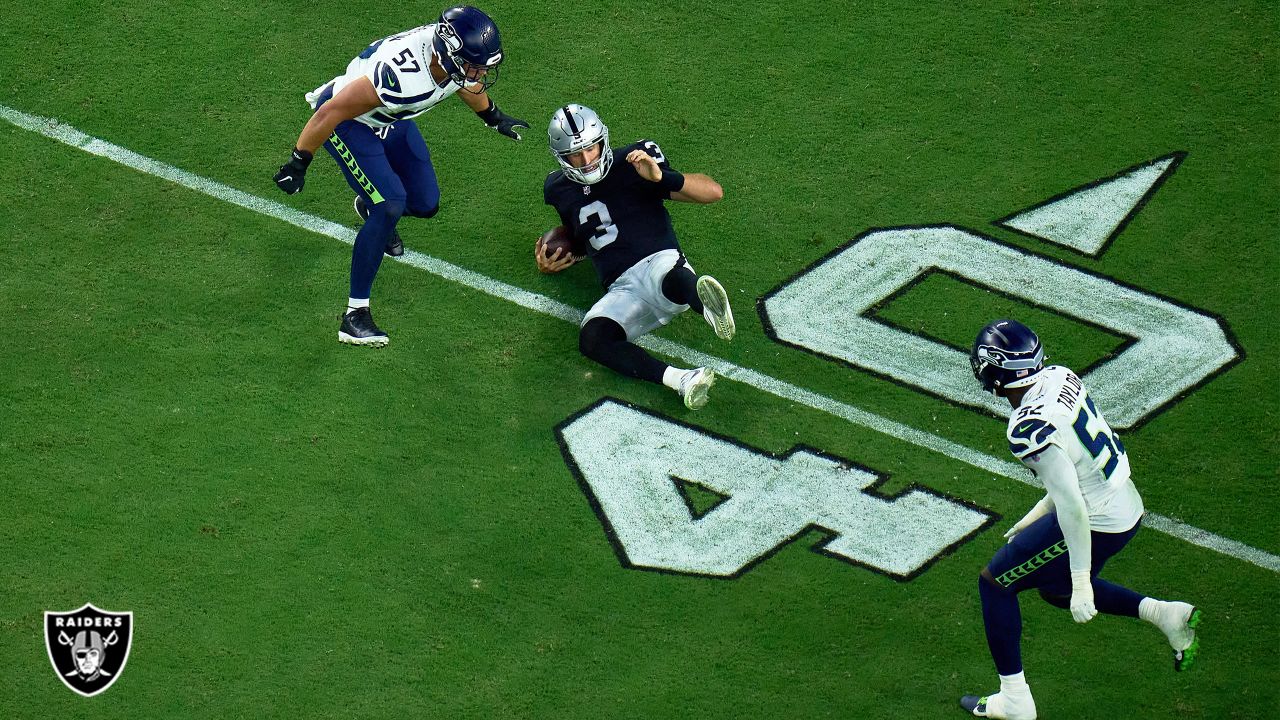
[[1014, 699], [1151, 610], [356, 304], [672, 376], [1014, 685], [1170, 618]]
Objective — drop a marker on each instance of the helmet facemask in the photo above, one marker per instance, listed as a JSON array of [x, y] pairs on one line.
[[478, 78]]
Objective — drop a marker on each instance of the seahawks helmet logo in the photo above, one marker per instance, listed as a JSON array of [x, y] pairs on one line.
[[452, 42], [990, 355], [88, 647]]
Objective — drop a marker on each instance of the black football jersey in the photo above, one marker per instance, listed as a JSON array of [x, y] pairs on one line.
[[618, 221]]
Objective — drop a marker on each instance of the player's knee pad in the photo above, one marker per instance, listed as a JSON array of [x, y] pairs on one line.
[[423, 205], [1055, 598], [680, 284], [387, 211], [430, 211], [597, 334], [988, 583]]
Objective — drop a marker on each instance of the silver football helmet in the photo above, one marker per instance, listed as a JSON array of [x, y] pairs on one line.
[[575, 128]]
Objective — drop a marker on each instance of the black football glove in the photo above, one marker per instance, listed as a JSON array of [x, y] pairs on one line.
[[293, 173], [502, 122]]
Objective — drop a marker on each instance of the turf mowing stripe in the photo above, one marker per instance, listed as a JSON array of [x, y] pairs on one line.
[[53, 129]]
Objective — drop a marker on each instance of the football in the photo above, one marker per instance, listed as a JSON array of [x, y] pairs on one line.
[[556, 238]]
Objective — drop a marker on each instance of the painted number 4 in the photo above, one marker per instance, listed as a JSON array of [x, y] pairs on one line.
[[638, 470]]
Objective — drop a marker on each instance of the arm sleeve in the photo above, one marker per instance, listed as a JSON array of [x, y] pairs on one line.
[[1042, 508], [1058, 474]]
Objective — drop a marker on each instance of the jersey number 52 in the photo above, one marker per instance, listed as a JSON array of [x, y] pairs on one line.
[[1095, 444]]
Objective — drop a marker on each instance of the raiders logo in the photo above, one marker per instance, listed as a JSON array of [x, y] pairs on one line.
[[88, 647]]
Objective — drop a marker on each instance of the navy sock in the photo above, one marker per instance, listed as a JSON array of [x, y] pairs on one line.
[[372, 238], [1003, 621], [1113, 599]]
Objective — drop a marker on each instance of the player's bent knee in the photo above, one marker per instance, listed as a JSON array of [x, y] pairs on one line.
[[424, 207], [985, 580], [597, 334], [387, 211], [1055, 599]]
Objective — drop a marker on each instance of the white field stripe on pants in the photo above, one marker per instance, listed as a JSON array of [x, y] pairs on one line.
[[53, 129]]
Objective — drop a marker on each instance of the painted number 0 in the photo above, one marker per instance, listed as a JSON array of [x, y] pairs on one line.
[[825, 309]]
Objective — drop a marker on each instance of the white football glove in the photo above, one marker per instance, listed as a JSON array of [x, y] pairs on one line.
[[1082, 608]]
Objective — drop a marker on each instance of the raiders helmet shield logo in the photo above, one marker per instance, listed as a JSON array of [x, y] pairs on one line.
[[88, 647]]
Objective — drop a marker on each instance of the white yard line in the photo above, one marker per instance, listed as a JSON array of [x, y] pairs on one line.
[[51, 128]]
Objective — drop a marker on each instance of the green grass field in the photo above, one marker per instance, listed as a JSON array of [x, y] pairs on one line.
[[306, 530]]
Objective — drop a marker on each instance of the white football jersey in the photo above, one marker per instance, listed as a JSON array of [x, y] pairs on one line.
[[1058, 411], [400, 69]]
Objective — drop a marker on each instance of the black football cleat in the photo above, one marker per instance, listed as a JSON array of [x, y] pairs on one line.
[[998, 706], [358, 328], [395, 246]]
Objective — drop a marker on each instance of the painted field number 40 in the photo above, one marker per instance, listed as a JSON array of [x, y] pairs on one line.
[[638, 469]]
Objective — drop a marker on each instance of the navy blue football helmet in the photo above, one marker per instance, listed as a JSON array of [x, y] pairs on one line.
[[469, 47], [1006, 354]]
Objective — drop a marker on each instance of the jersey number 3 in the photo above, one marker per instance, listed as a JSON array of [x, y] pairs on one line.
[[605, 232]]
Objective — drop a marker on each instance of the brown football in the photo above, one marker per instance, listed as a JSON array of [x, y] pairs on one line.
[[556, 238]]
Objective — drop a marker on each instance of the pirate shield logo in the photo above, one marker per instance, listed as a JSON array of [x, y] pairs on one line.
[[88, 647]]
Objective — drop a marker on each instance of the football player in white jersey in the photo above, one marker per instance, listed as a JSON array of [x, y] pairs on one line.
[[362, 117], [1089, 513]]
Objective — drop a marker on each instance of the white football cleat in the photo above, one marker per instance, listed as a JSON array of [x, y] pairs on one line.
[[1179, 625], [1020, 707], [694, 387], [715, 307]]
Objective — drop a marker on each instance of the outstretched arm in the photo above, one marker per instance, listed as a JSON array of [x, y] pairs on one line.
[[699, 188], [690, 187], [477, 101], [355, 100], [494, 118], [1058, 474], [1042, 508]]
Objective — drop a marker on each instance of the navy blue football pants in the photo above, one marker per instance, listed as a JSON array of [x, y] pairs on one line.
[[391, 168], [1037, 558]]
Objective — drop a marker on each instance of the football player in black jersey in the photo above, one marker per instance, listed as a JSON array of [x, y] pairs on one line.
[[611, 201]]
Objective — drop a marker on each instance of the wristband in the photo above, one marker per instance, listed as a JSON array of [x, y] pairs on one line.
[[671, 180], [302, 157]]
